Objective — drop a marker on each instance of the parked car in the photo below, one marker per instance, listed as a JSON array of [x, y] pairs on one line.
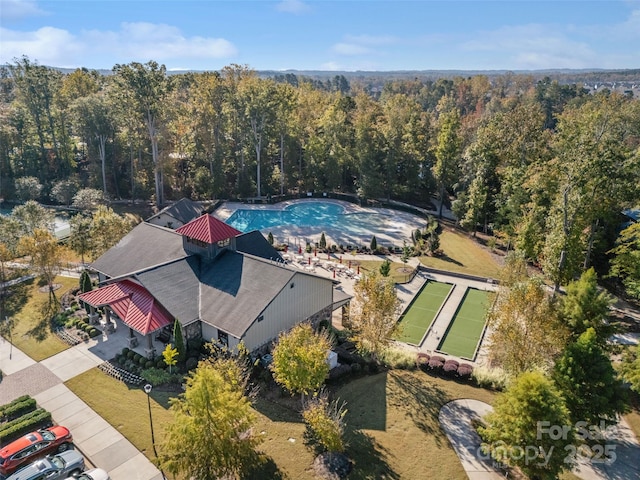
[[93, 474], [34, 445], [53, 467]]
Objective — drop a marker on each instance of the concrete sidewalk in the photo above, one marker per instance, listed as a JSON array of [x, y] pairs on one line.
[[102, 444]]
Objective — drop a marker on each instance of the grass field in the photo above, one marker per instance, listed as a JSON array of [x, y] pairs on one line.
[[392, 420], [422, 311], [28, 307], [461, 338], [462, 254]]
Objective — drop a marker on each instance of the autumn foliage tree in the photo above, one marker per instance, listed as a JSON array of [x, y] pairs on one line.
[[373, 313], [300, 359], [46, 255], [210, 435]]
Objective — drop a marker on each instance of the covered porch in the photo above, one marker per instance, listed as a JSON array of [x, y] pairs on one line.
[[127, 307]]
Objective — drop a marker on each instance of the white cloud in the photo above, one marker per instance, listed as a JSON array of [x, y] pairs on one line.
[[18, 9], [48, 46], [293, 6], [331, 67], [133, 41]]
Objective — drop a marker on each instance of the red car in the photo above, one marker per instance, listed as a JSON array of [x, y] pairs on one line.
[[32, 446]]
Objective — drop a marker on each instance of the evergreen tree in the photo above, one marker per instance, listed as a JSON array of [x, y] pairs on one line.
[[178, 339], [586, 378], [374, 244], [385, 268], [85, 282]]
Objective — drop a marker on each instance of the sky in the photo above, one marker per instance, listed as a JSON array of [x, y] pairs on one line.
[[346, 35]]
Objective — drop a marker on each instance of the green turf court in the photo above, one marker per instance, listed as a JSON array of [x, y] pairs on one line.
[[418, 317], [461, 338]]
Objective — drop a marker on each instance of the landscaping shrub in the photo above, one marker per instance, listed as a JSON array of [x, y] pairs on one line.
[[494, 378], [422, 361], [16, 410], [160, 363], [148, 364], [339, 371], [156, 376], [24, 424], [125, 351], [398, 358], [131, 354], [356, 368], [9, 409], [436, 363], [93, 332], [142, 361], [191, 363], [450, 367], [464, 371]]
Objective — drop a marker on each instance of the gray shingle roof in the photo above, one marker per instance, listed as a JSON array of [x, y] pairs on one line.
[[237, 288], [175, 285], [184, 210], [254, 243], [145, 246]]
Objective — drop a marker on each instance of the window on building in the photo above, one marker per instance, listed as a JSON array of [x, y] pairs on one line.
[[223, 338]]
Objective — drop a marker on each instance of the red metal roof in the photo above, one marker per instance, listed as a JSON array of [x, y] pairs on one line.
[[208, 229], [132, 303]]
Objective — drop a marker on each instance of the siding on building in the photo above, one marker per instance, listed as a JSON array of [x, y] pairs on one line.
[[308, 297]]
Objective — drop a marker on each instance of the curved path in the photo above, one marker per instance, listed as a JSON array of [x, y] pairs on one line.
[[456, 420]]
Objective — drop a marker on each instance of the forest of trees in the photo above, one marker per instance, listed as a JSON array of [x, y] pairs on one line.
[[545, 167]]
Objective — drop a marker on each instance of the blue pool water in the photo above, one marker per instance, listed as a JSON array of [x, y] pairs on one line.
[[308, 214]]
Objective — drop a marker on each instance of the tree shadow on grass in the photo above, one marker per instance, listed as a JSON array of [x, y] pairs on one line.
[[421, 401], [42, 328], [261, 466], [448, 259], [368, 456]]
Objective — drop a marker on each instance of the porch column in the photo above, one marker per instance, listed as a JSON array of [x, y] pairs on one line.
[[132, 341], [150, 352], [94, 317]]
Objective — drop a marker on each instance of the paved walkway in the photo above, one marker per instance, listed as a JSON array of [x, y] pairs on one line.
[[102, 445], [456, 419]]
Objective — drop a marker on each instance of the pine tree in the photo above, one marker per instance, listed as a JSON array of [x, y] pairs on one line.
[[179, 341]]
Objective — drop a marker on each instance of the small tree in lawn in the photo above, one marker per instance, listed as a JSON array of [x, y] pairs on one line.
[[406, 253], [300, 359], [210, 436], [325, 423], [179, 341], [373, 313], [385, 268], [170, 355], [374, 244]]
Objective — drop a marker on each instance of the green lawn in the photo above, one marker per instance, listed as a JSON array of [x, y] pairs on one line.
[[392, 424], [29, 309], [461, 338], [462, 254], [422, 311]]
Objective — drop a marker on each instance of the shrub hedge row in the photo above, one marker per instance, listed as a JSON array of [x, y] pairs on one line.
[[13, 402], [17, 409], [24, 424]]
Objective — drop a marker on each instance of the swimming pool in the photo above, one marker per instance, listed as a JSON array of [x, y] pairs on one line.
[[304, 220]]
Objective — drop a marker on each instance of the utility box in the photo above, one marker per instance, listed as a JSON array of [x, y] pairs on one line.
[[332, 359]]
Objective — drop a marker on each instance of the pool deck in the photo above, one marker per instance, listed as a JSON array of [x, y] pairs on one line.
[[396, 228]]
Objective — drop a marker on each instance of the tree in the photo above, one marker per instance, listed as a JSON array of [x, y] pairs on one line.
[[85, 282], [270, 238], [64, 191], [374, 244], [107, 228], [46, 256], [587, 307], [630, 368], [300, 359], [625, 264], [179, 341], [143, 88], [373, 313], [587, 380], [88, 199], [170, 355], [323, 241], [515, 431], [80, 238], [385, 268], [526, 332], [5, 257], [210, 435], [448, 149], [325, 423], [28, 188], [33, 216]]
